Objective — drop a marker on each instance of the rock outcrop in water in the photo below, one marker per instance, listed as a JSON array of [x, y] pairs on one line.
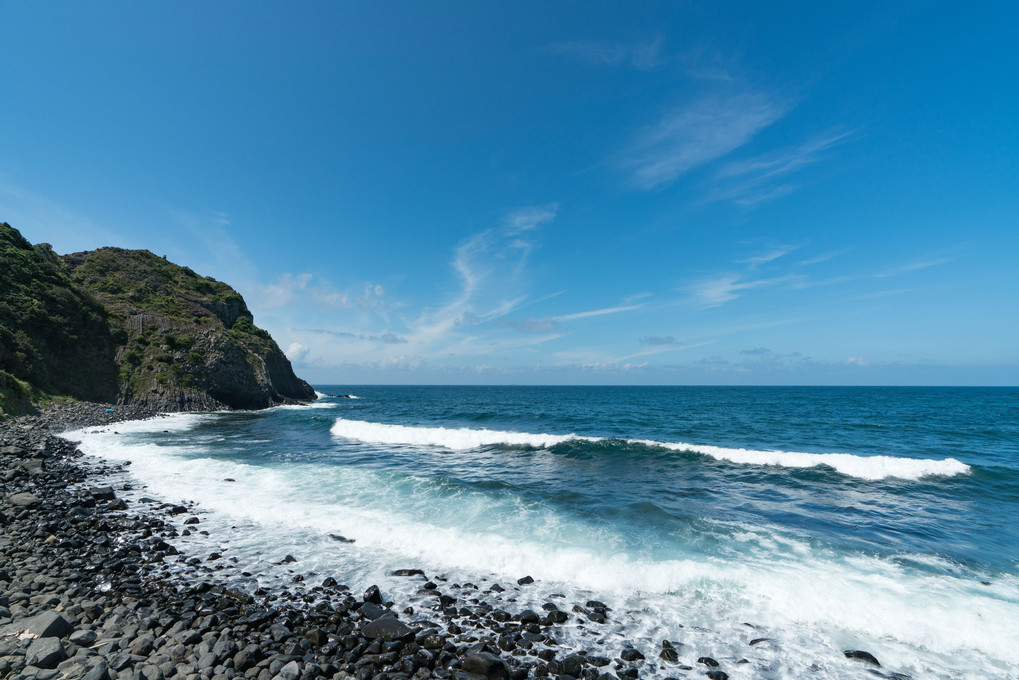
[[128, 327]]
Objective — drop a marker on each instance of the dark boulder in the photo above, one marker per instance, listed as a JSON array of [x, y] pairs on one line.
[[486, 665], [862, 656], [373, 595], [386, 628], [408, 572], [45, 652]]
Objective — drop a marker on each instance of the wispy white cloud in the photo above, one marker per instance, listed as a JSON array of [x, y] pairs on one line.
[[660, 340], [717, 290], [911, 267], [385, 338], [289, 288], [781, 162], [636, 296], [525, 219], [823, 257], [697, 133], [768, 256], [597, 312], [531, 325], [764, 178], [645, 56]]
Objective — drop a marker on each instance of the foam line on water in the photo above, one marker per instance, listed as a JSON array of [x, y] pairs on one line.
[[460, 439], [813, 591], [457, 439]]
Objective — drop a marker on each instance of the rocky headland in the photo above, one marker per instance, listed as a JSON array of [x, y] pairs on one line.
[[130, 328]]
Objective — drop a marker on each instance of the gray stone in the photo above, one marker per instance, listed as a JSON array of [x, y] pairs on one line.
[[24, 499], [45, 652], [98, 672], [47, 624], [83, 638], [225, 648], [290, 671], [387, 629]]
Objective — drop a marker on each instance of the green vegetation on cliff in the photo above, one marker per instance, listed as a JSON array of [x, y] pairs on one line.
[[126, 326], [54, 337]]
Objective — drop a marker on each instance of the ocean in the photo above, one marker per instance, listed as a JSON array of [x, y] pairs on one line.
[[823, 519]]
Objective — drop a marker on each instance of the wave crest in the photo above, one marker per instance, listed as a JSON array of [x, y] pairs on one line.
[[464, 438]]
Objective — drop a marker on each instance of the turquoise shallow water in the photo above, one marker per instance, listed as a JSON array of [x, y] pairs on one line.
[[831, 518]]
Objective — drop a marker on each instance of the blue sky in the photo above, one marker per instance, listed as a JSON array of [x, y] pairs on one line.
[[579, 193]]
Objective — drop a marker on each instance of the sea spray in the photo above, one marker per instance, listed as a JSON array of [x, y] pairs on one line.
[[681, 545]]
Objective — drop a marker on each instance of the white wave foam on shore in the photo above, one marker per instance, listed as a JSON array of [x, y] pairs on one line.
[[460, 439], [805, 596]]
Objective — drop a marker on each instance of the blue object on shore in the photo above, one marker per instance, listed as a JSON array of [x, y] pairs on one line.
[[109, 410]]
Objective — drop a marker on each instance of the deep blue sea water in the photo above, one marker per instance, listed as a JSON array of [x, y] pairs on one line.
[[884, 519]]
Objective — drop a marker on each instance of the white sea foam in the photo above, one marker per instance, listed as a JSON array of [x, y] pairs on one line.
[[862, 467], [812, 601], [458, 439], [307, 405]]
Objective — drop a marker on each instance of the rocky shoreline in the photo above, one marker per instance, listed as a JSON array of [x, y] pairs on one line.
[[92, 587]]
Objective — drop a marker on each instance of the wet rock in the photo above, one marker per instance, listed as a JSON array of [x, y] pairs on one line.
[[386, 628], [708, 661], [525, 581], [669, 654], [631, 654], [371, 611], [717, 675], [527, 616], [408, 572], [103, 493], [486, 665], [572, 665], [373, 595], [862, 656]]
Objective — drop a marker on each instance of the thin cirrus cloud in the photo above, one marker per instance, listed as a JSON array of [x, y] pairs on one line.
[[531, 325], [769, 256], [386, 338], [551, 324], [911, 267], [526, 219], [763, 178], [717, 290], [290, 288], [698, 133], [660, 340], [643, 56]]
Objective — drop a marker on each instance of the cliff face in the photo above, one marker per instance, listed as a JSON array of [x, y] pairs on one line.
[[128, 327]]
